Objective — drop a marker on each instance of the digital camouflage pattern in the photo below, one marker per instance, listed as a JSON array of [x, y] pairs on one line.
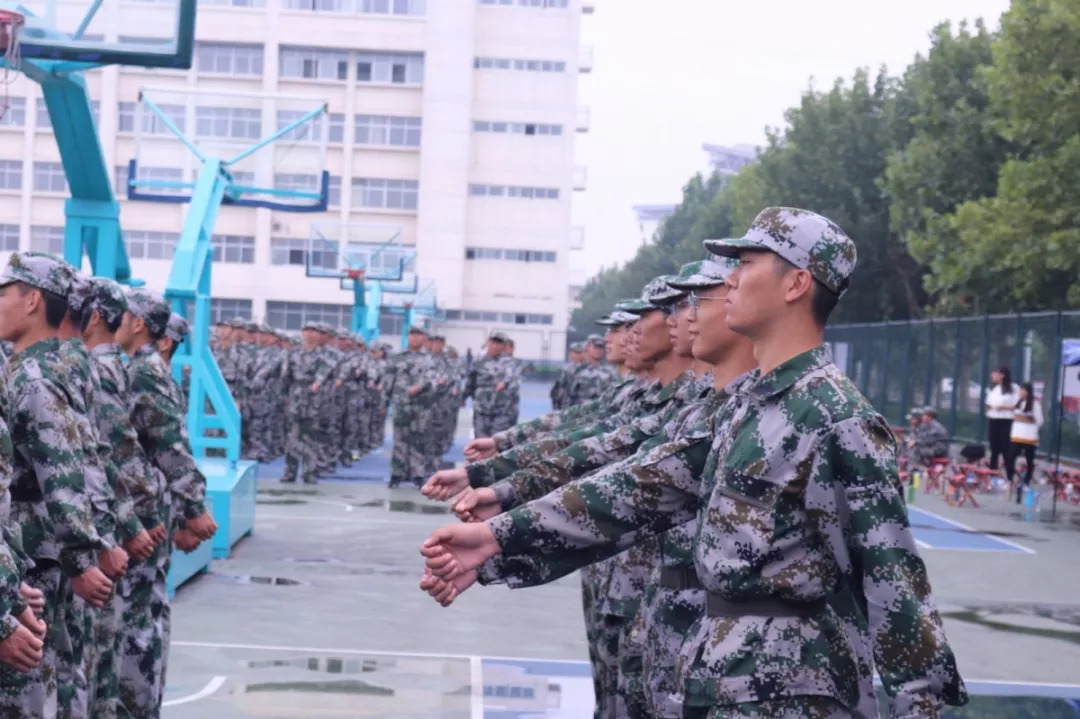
[[589, 381], [303, 369], [412, 414], [804, 463], [493, 406], [803, 238], [40, 270]]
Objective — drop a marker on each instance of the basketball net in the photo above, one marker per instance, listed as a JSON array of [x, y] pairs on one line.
[[11, 24]]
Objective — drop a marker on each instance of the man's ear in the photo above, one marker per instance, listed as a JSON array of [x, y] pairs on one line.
[[798, 284]]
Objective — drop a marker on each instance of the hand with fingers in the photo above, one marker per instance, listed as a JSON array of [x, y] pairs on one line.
[[30, 620], [456, 549], [445, 592], [141, 546], [93, 586], [186, 541], [445, 484], [476, 505], [157, 533], [22, 650], [480, 448], [34, 598], [202, 526]]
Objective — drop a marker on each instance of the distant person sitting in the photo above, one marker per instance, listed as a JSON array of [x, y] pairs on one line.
[[932, 440]]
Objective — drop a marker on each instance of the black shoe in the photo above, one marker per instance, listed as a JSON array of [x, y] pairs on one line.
[[393, 483], [311, 480], [288, 480]]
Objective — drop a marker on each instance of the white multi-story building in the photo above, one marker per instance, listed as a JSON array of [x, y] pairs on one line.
[[452, 121]]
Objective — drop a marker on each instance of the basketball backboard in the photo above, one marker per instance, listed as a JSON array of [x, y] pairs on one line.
[[348, 250], [272, 147], [156, 34]]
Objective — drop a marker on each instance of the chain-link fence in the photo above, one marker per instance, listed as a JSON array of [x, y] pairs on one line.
[[946, 364]]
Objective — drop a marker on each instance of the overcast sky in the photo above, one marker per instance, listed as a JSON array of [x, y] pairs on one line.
[[671, 75]]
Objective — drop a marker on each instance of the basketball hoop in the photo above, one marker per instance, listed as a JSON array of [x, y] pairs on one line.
[[11, 24], [354, 274]]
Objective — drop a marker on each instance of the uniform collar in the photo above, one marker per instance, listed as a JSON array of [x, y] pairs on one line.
[[40, 348], [146, 350], [788, 373]]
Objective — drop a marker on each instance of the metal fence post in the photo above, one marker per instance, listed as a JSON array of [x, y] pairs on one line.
[[980, 434], [885, 370], [1053, 408], [928, 381], [956, 378], [905, 388]]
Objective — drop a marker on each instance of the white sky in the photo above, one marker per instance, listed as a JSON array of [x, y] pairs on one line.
[[670, 75]]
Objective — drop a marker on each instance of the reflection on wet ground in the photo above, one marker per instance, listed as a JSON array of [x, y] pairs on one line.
[[249, 579], [405, 505], [1049, 621]]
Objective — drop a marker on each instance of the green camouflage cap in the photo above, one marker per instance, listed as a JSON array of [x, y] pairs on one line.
[[40, 270], [79, 292], [108, 298], [654, 296], [596, 340], [577, 347], [803, 238], [703, 273], [627, 306], [419, 329], [177, 328], [622, 317], [150, 307], [499, 337], [606, 321]]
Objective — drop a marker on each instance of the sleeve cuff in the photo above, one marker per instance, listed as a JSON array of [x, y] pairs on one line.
[[130, 529], [8, 624], [490, 572], [194, 509], [480, 474], [505, 529], [77, 562], [506, 493], [502, 441]]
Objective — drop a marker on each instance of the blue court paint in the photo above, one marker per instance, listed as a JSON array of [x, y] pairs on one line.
[[936, 532], [534, 688]]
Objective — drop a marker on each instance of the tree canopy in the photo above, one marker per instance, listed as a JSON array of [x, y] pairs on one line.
[[959, 179]]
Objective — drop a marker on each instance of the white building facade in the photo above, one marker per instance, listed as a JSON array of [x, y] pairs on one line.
[[452, 121]]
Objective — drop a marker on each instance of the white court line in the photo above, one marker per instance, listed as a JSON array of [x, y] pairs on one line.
[[212, 686], [476, 686], [922, 544], [331, 503], [356, 521], [961, 525], [318, 650]]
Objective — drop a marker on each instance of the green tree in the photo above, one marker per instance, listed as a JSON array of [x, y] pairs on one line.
[[1020, 249]]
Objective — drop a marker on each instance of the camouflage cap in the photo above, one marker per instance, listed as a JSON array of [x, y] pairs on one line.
[[655, 295], [150, 307], [577, 347], [419, 329], [596, 340], [79, 292], [803, 238], [177, 328], [108, 299], [40, 270], [621, 317], [703, 273], [626, 306], [499, 337]]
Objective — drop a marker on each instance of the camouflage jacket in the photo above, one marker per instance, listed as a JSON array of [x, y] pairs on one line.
[[933, 439], [554, 468], [795, 489], [646, 399], [588, 382], [614, 397], [100, 473], [301, 369], [12, 565], [159, 423], [560, 389], [139, 484], [49, 500], [411, 369], [486, 375]]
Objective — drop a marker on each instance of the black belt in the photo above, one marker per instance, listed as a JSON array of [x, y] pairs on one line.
[[679, 578], [717, 606]]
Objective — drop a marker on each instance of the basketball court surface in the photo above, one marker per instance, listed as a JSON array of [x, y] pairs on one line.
[[318, 614]]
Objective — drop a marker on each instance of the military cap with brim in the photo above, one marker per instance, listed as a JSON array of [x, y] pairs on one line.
[[656, 288], [805, 239], [595, 340], [629, 305], [704, 273], [108, 299], [150, 307], [606, 321], [419, 329], [499, 337], [577, 347], [79, 292], [177, 328], [37, 269]]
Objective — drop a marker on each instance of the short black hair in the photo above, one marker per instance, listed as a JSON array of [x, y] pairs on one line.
[[154, 335], [88, 314], [56, 306], [824, 300]]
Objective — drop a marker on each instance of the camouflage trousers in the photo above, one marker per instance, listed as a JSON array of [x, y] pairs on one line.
[[665, 618], [630, 696], [329, 436], [33, 694], [262, 431], [454, 412], [488, 424], [376, 403], [357, 418], [76, 661], [439, 429], [410, 460], [609, 632], [143, 646], [104, 682], [808, 707], [301, 449]]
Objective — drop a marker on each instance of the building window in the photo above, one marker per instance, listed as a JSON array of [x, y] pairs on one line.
[[519, 128], [311, 131], [151, 245], [502, 63], [529, 3], [388, 130], [151, 123], [15, 115], [9, 238], [373, 7], [488, 253], [237, 122], [388, 194], [528, 193], [314, 64], [333, 193], [227, 59], [294, 315], [294, 251], [223, 309], [50, 177], [235, 3], [237, 249], [10, 174], [398, 68], [47, 239], [164, 174]]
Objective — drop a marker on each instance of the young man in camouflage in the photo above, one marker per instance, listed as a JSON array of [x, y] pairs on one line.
[[50, 502], [592, 376], [411, 381], [803, 545], [306, 372], [514, 386], [158, 419], [561, 387], [489, 386], [137, 485]]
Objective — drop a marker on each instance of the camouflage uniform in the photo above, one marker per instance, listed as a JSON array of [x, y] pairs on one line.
[[560, 389], [932, 440], [303, 368], [493, 409], [588, 382], [357, 413], [457, 373], [440, 410], [412, 414], [377, 399], [157, 418], [801, 528]]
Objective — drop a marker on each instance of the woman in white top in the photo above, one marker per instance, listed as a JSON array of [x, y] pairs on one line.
[[1027, 419], [1000, 407]]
